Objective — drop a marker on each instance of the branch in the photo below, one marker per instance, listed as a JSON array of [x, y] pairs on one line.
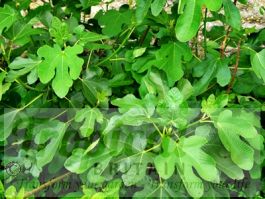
[[223, 46], [235, 68], [47, 184]]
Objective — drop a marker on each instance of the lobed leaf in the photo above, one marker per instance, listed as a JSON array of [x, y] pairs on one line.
[[188, 23], [258, 64], [60, 61], [7, 17]]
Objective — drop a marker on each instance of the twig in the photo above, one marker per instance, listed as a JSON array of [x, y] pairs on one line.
[[204, 33], [47, 184], [235, 68], [141, 41], [31, 102], [89, 58], [223, 46]]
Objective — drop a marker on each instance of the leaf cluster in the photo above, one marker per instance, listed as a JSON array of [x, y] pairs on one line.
[[140, 101]]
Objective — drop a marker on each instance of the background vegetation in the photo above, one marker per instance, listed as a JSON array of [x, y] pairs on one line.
[[138, 101]]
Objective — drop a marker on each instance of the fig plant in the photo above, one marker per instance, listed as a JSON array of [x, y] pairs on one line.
[[145, 100]]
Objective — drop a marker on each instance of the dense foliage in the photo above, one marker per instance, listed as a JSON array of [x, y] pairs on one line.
[[132, 102]]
